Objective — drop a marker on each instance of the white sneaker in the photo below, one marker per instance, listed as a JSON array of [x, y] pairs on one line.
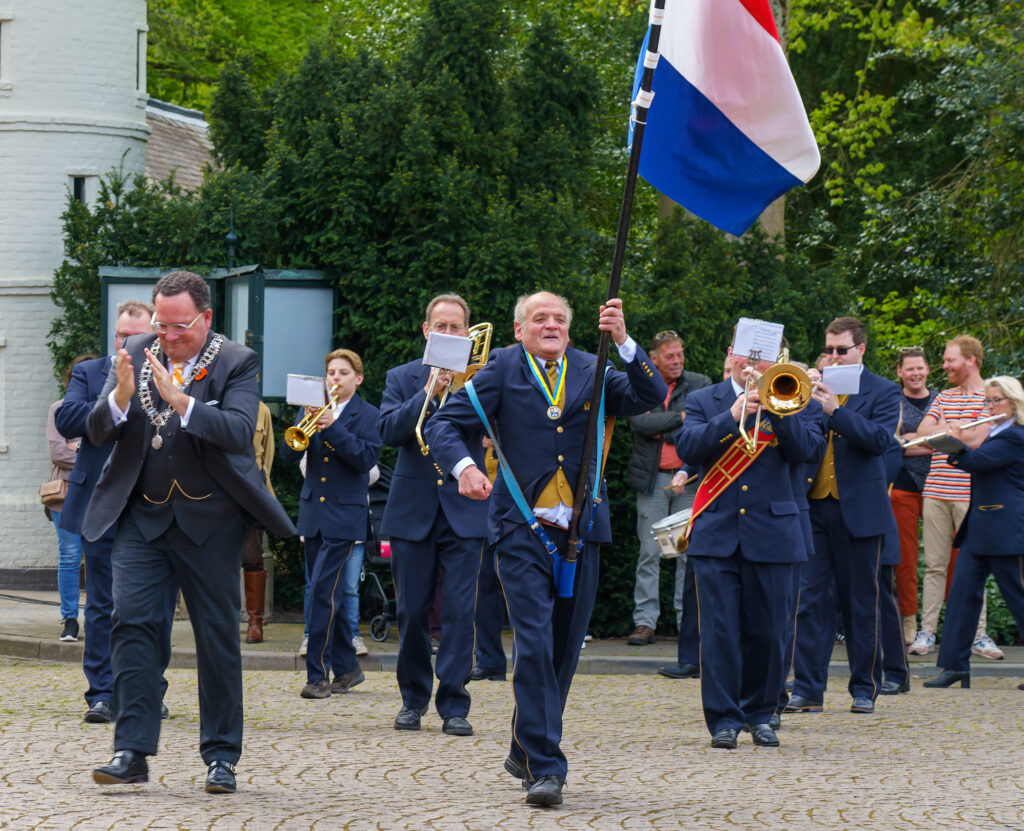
[[359, 646], [986, 647], [923, 643], [305, 645]]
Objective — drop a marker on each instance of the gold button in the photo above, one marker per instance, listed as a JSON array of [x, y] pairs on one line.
[[809, 480], [561, 458], [322, 499], [559, 429], [440, 481], [322, 479], [744, 488], [326, 459], [742, 511]]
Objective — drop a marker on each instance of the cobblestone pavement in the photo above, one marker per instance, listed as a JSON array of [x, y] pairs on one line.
[[637, 747]]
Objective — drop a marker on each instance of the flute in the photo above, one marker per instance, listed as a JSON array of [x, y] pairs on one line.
[[968, 426]]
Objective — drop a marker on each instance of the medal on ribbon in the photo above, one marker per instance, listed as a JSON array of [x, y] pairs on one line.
[[555, 397]]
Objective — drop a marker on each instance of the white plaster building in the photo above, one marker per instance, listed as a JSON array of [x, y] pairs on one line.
[[72, 106]]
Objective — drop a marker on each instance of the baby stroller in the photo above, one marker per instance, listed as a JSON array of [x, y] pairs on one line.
[[377, 561]]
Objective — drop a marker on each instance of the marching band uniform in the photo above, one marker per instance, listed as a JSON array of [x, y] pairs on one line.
[[746, 537]]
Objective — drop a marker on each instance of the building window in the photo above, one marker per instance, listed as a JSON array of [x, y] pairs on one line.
[[5, 48], [84, 187], [140, 62]]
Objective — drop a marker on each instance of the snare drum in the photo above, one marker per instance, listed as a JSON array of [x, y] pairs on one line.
[[668, 532]]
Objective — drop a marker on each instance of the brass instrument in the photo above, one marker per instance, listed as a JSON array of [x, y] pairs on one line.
[[298, 435], [967, 426], [479, 352], [783, 389]]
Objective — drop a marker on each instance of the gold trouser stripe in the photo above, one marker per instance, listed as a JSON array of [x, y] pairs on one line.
[[330, 620]]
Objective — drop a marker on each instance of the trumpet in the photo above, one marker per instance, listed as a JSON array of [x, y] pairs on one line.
[[297, 436], [783, 389], [967, 426], [479, 352]]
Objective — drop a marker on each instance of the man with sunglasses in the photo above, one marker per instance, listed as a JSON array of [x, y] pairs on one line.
[[655, 473], [183, 487], [850, 515]]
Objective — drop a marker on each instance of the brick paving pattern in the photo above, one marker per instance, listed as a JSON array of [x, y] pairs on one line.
[[637, 747]]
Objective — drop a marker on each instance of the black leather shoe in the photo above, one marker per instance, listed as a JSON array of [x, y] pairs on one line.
[[862, 705], [101, 712], [457, 726], [679, 671], [545, 791], [126, 768], [763, 735], [948, 677], [408, 718], [893, 688], [343, 683], [481, 674], [220, 778], [799, 704], [726, 738], [775, 721], [515, 767]]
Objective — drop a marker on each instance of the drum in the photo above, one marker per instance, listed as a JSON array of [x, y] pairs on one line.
[[668, 533]]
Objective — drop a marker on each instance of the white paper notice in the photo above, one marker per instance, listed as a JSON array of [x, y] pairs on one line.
[[449, 352], [758, 340], [306, 391], [842, 380]]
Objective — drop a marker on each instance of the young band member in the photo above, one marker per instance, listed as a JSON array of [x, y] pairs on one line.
[[333, 514]]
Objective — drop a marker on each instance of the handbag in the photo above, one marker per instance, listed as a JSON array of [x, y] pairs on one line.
[[53, 492]]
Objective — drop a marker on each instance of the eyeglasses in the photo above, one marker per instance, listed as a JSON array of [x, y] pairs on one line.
[[178, 328], [994, 400], [665, 334], [837, 350], [447, 329], [911, 350]]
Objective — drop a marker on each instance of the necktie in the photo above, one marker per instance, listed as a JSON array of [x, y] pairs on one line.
[[177, 376], [552, 370]]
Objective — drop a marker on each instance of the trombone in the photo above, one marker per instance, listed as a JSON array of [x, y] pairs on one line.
[[480, 334], [299, 434], [783, 389]]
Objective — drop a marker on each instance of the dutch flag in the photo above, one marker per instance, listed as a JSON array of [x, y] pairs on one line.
[[726, 133]]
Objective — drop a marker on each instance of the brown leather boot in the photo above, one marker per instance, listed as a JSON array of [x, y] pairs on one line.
[[255, 596]]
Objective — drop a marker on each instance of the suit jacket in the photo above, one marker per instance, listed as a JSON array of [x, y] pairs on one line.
[[417, 491], [994, 525], [759, 512], [220, 431], [87, 381], [864, 431], [651, 430], [335, 494], [534, 444]]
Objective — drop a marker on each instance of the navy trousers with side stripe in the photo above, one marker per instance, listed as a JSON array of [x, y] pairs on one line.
[[330, 641]]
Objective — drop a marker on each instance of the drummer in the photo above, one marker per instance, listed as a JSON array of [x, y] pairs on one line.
[[656, 473]]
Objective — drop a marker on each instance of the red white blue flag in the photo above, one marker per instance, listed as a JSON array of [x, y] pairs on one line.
[[726, 133]]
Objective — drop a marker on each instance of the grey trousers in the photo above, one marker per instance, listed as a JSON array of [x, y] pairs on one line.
[[649, 510]]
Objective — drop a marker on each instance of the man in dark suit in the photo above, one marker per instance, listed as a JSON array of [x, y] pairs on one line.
[[746, 538], [183, 482], [850, 516], [87, 379], [430, 527], [537, 398]]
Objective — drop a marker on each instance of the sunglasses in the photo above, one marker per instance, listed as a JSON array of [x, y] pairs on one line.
[[911, 350], [665, 334], [837, 350]]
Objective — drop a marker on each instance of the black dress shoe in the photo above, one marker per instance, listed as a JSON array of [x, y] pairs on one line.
[[101, 712], [126, 768], [343, 683], [948, 677], [408, 718], [220, 778], [481, 674], [799, 704], [894, 688], [545, 791], [679, 671], [457, 726], [862, 705], [763, 735], [725, 737], [775, 721], [515, 767]]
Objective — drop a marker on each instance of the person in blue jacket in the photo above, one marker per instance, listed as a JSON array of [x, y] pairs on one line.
[[333, 512], [991, 538]]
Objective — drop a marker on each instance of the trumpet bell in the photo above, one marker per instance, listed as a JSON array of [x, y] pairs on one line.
[[784, 389], [297, 439]]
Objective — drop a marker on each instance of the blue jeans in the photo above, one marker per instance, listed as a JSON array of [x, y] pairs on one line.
[[350, 581], [69, 566]]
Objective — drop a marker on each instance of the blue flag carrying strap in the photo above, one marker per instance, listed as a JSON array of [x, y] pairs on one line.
[[564, 572]]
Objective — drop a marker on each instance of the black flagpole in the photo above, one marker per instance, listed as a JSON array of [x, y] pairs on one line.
[[640, 108]]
